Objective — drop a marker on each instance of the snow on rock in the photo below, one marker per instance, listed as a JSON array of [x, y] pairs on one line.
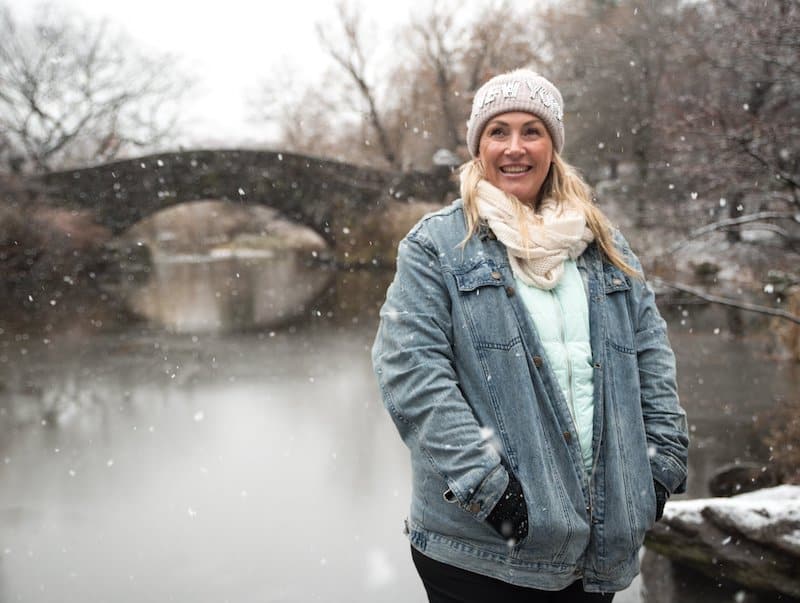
[[752, 539]]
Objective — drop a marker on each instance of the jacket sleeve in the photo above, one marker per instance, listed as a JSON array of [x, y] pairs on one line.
[[414, 364], [664, 419]]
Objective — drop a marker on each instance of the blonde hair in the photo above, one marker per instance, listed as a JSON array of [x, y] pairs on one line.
[[563, 182]]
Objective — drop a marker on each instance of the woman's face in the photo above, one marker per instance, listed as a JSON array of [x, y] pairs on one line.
[[516, 151]]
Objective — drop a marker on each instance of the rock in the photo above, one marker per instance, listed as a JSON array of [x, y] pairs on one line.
[[739, 478], [752, 539]]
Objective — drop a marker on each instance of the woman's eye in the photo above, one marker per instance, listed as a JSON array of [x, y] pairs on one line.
[[496, 132], [532, 132]]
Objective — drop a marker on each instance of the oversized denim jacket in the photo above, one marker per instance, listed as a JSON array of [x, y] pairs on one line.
[[465, 379]]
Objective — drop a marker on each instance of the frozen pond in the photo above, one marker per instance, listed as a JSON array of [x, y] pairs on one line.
[[259, 465]]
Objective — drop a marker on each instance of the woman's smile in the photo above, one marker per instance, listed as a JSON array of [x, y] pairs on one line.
[[513, 170]]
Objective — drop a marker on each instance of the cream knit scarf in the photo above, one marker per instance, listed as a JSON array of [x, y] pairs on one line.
[[553, 235]]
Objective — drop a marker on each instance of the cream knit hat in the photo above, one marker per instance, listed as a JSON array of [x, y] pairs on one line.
[[519, 90]]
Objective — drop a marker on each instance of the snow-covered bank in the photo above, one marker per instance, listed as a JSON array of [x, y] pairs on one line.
[[752, 539]]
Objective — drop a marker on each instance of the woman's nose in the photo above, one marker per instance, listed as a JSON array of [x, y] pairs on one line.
[[514, 144]]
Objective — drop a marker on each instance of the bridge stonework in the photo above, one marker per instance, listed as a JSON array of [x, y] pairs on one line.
[[323, 194]]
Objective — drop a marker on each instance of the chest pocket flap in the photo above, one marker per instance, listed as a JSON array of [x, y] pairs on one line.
[[615, 280], [483, 273]]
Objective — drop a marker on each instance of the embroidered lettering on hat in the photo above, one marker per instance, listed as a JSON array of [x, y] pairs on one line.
[[508, 90], [548, 100], [491, 96], [511, 90]]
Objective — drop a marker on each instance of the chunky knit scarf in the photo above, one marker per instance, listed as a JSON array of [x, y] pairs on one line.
[[538, 248]]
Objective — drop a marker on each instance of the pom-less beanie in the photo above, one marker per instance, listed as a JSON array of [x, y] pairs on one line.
[[519, 90]]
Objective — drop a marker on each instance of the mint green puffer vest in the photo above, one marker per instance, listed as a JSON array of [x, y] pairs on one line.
[[561, 318]]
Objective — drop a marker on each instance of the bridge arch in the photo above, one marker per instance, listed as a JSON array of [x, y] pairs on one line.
[[323, 194]]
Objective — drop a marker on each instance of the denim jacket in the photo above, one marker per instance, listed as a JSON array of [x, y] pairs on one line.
[[465, 379]]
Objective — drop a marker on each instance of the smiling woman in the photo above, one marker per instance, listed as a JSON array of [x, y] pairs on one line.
[[525, 364]]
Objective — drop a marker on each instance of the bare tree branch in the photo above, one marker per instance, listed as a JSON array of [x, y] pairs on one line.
[[728, 222], [433, 31], [725, 301], [350, 57], [72, 91]]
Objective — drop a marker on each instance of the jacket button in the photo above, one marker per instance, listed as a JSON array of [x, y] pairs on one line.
[[567, 436], [510, 291], [616, 281], [496, 275], [537, 361], [474, 507]]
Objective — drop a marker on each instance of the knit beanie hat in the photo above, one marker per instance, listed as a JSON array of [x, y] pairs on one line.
[[519, 90]]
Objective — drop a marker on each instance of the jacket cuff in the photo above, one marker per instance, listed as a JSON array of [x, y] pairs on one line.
[[485, 497], [669, 474]]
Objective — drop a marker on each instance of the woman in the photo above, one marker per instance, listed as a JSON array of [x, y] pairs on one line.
[[523, 360]]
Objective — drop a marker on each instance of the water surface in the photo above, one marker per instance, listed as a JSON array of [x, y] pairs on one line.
[[257, 464]]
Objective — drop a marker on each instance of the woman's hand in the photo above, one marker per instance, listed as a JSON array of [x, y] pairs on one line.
[[509, 517]]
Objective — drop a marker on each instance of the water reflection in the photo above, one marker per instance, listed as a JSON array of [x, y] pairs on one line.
[[260, 466], [266, 472], [190, 294]]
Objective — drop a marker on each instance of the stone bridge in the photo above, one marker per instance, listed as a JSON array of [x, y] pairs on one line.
[[322, 194]]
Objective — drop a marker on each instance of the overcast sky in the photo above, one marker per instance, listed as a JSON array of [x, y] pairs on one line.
[[230, 47]]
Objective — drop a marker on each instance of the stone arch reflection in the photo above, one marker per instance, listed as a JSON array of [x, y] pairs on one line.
[[215, 266], [230, 293]]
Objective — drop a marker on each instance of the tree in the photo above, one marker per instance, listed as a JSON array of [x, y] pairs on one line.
[[300, 114], [743, 113], [438, 54], [421, 99], [615, 58], [349, 53], [734, 131], [73, 91]]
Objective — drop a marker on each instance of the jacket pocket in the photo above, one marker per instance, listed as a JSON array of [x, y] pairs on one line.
[[490, 349], [617, 288], [483, 291], [483, 273]]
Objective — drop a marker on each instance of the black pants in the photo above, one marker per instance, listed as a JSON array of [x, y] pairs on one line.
[[447, 584]]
